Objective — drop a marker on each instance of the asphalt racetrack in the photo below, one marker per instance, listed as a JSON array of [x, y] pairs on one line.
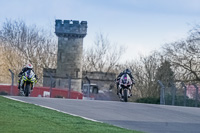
[[142, 117]]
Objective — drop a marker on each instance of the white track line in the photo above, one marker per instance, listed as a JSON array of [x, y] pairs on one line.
[[54, 109]]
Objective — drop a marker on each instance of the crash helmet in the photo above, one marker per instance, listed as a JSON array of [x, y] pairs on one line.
[[29, 66], [127, 71]]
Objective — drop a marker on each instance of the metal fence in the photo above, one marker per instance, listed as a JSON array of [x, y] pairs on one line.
[[180, 94], [52, 84]]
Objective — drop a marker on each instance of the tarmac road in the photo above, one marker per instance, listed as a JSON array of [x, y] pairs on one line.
[[142, 117]]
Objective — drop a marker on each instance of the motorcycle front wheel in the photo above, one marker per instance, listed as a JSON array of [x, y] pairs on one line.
[[27, 90], [125, 95]]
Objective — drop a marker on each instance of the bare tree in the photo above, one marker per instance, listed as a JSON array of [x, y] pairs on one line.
[[102, 56], [24, 44], [144, 72], [3, 67], [185, 57]]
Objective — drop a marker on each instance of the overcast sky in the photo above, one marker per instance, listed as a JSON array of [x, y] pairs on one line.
[[140, 25]]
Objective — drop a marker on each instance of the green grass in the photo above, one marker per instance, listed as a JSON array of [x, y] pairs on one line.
[[18, 117]]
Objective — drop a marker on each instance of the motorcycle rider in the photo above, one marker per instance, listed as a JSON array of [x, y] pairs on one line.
[[126, 71], [26, 68]]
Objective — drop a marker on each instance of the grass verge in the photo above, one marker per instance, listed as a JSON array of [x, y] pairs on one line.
[[25, 118]]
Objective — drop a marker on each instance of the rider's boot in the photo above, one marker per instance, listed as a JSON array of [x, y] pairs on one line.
[[21, 92], [117, 89], [32, 87], [19, 84], [130, 93], [131, 88], [20, 89]]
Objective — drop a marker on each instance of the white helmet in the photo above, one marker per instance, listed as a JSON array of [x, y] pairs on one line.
[[29, 66]]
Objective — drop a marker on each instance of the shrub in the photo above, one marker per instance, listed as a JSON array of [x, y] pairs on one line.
[[150, 100], [179, 101], [59, 96]]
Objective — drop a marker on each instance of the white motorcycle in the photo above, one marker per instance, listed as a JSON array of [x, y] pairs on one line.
[[125, 85]]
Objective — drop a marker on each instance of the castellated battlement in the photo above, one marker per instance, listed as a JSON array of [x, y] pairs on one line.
[[71, 28]]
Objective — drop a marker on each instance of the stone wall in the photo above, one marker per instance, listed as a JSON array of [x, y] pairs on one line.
[[46, 77], [69, 57], [104, 81], [69, 28]]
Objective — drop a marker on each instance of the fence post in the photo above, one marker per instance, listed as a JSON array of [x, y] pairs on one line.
[[88, 86], [12, 76], [185, 90], [162, 93], [197, 94], [51, 84], [69, 84], [173, 92]]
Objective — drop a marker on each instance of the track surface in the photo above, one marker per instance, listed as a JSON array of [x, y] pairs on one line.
[[142, 117]]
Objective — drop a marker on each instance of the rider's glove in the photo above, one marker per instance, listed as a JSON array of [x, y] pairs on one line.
[[20, 74], [133, 81], [36, 77]]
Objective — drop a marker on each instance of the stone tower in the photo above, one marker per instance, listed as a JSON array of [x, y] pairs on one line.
[[70, 48]]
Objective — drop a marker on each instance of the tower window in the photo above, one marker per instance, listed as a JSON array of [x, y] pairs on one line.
[[76, 74]]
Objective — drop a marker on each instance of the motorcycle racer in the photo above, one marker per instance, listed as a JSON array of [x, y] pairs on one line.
[[26, 68], [126, 71]]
